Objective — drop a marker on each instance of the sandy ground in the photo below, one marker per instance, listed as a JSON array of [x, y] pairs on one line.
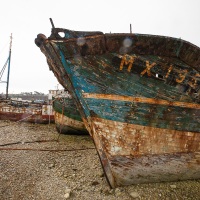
[[38, 163]]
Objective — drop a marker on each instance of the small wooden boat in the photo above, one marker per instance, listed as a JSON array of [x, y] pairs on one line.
[[67, 117], [139, 98]]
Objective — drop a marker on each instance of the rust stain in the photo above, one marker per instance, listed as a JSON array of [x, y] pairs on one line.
[[133, 153], [137, 140], [141, 100]]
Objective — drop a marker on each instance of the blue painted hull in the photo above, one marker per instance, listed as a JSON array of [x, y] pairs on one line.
[[139, 98]]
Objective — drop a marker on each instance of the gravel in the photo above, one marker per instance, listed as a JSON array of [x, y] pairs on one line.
[[36, 163]]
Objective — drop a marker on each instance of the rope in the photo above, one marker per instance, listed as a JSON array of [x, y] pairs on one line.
[[24, 118], [51, 150], [3, 69], [40, 141], [61, 124]]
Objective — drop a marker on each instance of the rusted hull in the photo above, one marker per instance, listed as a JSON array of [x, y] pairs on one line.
[[139, 98], [145, 154]]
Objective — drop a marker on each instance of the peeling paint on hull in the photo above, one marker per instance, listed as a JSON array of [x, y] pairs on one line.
[[139, 154], [67, 117], [139, 98]]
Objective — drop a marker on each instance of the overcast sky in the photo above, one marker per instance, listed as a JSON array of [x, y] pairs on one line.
[[27, 18]]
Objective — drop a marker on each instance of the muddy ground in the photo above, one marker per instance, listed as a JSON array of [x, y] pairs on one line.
[[36, 163]]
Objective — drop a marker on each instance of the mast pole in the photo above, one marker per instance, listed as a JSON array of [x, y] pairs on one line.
[[130, 28], [9, 59], [52, 24]]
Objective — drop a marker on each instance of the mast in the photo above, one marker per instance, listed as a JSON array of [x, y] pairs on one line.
[[9, 59], [130, 28]]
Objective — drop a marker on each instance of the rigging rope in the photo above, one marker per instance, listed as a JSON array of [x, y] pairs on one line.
[[3, 69]]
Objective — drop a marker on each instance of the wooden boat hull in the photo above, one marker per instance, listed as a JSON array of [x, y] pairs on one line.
[[138, 154], [138, 96], [67, 117]]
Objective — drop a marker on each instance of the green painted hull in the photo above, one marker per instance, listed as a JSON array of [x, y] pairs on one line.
[[67, 117]]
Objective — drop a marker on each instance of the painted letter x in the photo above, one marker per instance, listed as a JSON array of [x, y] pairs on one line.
[[148, 68]]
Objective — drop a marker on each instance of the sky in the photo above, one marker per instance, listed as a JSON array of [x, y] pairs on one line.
[[25, 19]]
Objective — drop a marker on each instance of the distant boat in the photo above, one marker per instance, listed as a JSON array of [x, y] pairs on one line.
[[67, 117], [24, 111], [139, 98]]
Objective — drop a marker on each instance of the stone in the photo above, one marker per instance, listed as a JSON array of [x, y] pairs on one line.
[[173, 186], [101, 174], [134, 195], [111, 191], [67, 190], [95, 183], [117, 192], [67, 195], [52, 165]]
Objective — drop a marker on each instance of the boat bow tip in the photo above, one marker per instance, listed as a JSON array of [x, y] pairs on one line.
[[40, 39]]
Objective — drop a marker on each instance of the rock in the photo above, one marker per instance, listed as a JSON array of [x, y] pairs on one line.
[[111, 191], [134, 195], [67, 195], [95, 183], [117, 192], [101, 174], [67, 190], [173, 186], [60, 173], [106, 191], [65, 175], [52, 165]]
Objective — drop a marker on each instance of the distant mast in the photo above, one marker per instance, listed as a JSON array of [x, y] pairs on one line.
[[130, 28], [9, 59]]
